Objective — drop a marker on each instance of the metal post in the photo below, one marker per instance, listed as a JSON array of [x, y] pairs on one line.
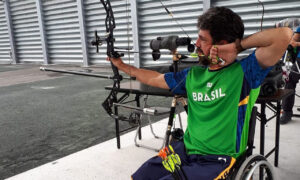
[[135, 32], [206, 5], [80, 7], [10, 33], [170, 122], [277, 134], [40, 14], [263, 121], [117, 126]]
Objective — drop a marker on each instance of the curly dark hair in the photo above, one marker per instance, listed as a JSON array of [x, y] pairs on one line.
[[222, 23]]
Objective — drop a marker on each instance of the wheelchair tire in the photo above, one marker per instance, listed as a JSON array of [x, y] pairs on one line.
[[248, 166]]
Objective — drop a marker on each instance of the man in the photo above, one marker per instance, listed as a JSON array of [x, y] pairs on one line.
[[294, 76], [220, 95]]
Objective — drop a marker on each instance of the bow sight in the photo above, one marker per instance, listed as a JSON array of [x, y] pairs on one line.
[[171, 43], [98, 42]]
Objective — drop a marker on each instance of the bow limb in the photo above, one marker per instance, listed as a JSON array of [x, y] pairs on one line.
[[110, 26]]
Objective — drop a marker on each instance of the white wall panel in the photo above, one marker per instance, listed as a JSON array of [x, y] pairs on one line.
[[26, 31], [62, 31], [95, 20], [62, 28], [4, 37]]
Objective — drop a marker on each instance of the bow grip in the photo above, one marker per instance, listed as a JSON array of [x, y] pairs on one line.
[[115, 55]]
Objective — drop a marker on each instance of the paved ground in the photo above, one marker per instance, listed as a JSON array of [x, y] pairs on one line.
[[57, 118], [46, 115], [105, 161]]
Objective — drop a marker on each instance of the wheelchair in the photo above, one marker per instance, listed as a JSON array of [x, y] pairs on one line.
[[248, 166], [251, 166]]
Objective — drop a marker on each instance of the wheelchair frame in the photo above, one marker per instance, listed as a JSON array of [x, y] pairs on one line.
[[245, 166], [247, 163]]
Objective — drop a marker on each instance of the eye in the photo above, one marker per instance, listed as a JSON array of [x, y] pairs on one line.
[[202, 38]]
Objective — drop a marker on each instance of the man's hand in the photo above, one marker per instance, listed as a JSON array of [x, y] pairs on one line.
[[295, 42], [116, 61], [227, 53], [151, 78]]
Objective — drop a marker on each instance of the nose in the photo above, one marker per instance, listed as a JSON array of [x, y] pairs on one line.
[[198, 46], [198, 43]]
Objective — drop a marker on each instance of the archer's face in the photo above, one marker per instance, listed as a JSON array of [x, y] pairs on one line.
[[204, 42]]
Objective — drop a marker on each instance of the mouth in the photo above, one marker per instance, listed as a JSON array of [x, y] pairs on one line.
[[204, 60], [199, 51]]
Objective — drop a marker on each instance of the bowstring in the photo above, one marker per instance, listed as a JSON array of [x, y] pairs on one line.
[[170, 13], [128, 43], [128, 47], [262, 15]]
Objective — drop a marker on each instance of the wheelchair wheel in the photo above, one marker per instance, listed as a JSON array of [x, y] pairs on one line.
[[251, 167]]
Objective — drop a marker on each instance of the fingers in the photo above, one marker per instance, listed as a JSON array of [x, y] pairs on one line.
[[116, 61], [293, 43], [113, 59], [215, 59], [214, 55]]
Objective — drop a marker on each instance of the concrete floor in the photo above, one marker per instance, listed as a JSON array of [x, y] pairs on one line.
[[105, 161], [46, 116], [66, 139]]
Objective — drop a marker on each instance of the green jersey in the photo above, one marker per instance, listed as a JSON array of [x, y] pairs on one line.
[[219, 105]]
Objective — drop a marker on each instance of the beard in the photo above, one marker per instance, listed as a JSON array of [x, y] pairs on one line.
[[204, 60]]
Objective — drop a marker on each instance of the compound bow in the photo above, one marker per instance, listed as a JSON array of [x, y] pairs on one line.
[[111, 53]]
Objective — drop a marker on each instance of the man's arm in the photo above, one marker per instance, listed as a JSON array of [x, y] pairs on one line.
[[151, 78], [270, 45]]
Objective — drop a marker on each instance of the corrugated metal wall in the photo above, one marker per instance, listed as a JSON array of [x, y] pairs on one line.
[[251, 12], [95, 20], [26, 31], [154, 22], [4, 37], [62, 26], [62, 31]]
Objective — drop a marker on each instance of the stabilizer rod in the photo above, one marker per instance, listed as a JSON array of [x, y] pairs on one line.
[[82, 73]]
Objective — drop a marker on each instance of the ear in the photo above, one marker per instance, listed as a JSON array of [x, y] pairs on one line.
[[222, 42]]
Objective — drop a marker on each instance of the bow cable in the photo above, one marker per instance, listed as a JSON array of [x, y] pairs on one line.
[[173, 18], [262, 15], [128, 44]]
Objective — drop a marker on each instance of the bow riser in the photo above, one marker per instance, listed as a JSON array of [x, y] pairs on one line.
[[111, 53]]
